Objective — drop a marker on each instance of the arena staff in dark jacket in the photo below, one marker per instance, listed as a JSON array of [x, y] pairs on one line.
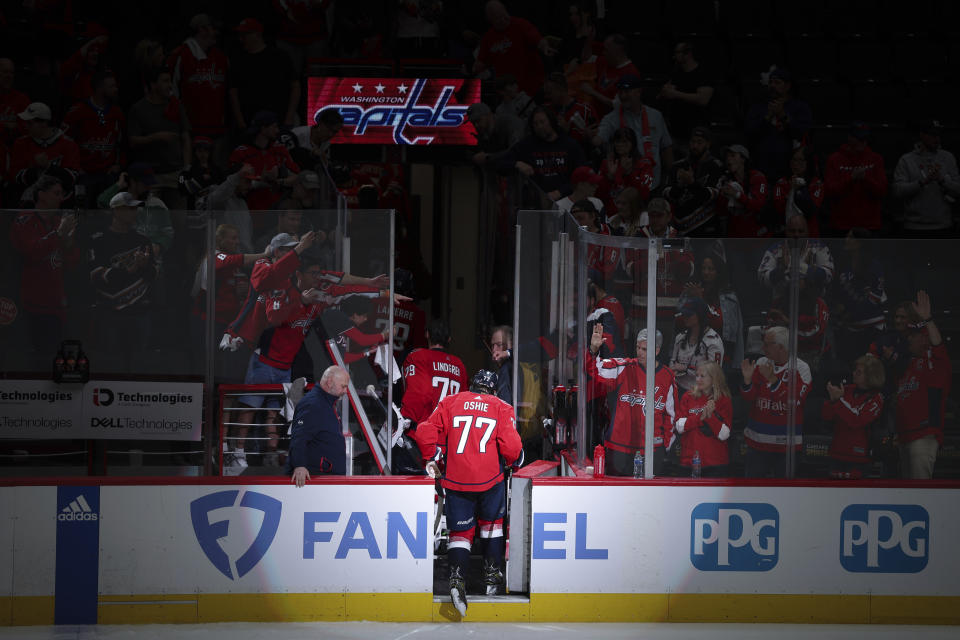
[[316, 443]]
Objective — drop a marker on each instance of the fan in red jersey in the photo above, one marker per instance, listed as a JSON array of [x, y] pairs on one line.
[[478, 433]]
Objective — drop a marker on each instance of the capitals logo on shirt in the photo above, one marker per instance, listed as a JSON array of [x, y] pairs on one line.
[[396, 110]]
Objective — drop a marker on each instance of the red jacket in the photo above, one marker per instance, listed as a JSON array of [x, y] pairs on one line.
[[921, 395], [275, 156], [429, 376], [639, 177], [855, 203], [851, 415], [41, 279], [230, 280], [690, 426], [627, 378], [475, 430], [59, 149], [97, 135], [202, 86], [743, 214]]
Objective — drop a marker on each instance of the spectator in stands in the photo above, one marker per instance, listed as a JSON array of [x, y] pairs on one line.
[[98, 126], [77, 71], [546, 156], [585, 183], [576, 119], [697, 342], [603, 259], [418, 30], [581, 71], [607, 310], [611, 68], [160, 136], [231, 198], [122, 272], [261, 79], [765, 388], [624, 167], [12, 103], [626, 377], [723, 306], [409, 320], [647, 123], [685, 98], [289, 221], [816, 262], [922, 393], [302, 194], [46, 242], [43, 148], [512, 45], [853, 409], [800, 193], [813, 322], [501, 350], [855, 182], [203, 173], [773, 128], [153, 217], [148, 55], [200, 71], [314, 142], [743, 195], [927, 181], [269, 158], [630, 216], [513, 99], [316, 436], [859, 296], [704, 418], [891, 346], [496, 135], [691, 188]]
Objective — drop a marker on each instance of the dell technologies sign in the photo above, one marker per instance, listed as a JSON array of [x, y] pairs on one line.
[[396, 110], [734, 536]]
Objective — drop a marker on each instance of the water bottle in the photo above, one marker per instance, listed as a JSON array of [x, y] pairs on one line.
[[696, 465], [638, 465], [599, 461]]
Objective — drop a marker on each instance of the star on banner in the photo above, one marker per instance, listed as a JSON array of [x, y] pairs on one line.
[[402, 88], [357, 88], [379, 87]]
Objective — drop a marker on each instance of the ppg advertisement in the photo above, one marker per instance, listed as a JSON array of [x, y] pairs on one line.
[[743, 540], [397, 110], [38, 409]]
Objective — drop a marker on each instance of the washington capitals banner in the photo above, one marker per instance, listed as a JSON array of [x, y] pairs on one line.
[[397, 110]]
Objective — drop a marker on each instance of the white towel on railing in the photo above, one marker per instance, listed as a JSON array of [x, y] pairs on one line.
[[381, 361]]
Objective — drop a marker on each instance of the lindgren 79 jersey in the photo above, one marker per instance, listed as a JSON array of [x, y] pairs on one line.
[[430, 375], [476, 430]]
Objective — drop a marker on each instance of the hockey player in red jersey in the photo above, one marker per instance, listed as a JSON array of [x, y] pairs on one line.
[[476, 433], [429, 376]]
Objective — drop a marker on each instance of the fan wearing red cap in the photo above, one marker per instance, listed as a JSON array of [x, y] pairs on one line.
[[585, 183]]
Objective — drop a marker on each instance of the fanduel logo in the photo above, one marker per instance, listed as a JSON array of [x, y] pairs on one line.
[[77, 510], [734, 536], [209, 533], [884, 538]]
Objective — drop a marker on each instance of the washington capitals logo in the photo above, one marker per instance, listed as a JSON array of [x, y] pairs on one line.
[[209, 533], [416, 113]]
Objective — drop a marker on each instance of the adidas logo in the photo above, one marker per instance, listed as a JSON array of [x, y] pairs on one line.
[[78, 510]]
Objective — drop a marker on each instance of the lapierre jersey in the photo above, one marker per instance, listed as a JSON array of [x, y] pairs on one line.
[[409, 323], [430, 375], [921, 395], [628, 380], [766, 428], [478, 432], [852, 414]]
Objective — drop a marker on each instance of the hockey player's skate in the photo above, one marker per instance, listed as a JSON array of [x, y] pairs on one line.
[[458, 591], [492, 577]]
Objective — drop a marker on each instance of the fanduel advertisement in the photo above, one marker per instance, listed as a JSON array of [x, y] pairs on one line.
[[397, 110], [38, 409]]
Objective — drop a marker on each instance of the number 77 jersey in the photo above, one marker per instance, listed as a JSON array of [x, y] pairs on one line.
[[476, 430]]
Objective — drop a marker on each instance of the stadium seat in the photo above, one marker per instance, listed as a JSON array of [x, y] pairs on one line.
[[919, 59], [934, 100], [692, 17], [865, 61], [811, 58], [725, 109], [795, 20], [881, 102], [753, 56], [830, 102], [854, 19], [747, 18]]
